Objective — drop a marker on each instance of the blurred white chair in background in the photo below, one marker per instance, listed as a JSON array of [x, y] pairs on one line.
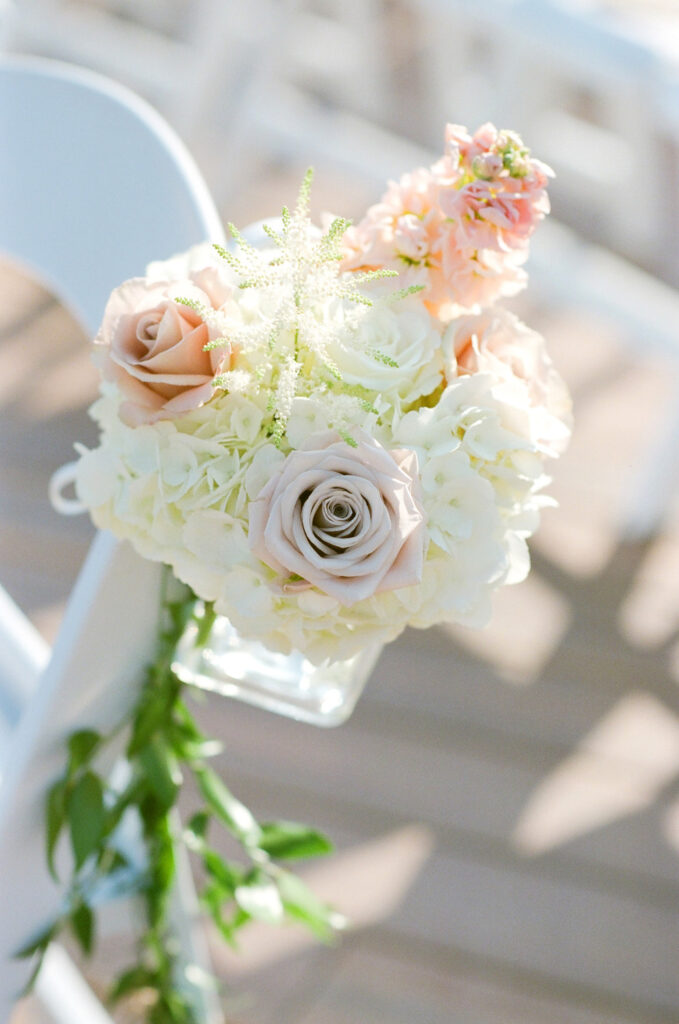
[[587, 88], [595, 95], [235, 79], [93, 186]]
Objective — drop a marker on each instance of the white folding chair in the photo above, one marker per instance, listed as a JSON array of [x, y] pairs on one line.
[[93, 185]]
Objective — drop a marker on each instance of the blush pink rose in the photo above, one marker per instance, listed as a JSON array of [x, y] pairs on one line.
[[153, 347], [345, 520]]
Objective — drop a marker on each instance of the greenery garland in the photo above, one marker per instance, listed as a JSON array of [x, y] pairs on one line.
[[164, 745]]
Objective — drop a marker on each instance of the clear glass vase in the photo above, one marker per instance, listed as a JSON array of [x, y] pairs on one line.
[[287, 684]]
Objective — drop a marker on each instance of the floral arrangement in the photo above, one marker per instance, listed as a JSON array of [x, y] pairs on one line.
[[327, 436], [337, 434]]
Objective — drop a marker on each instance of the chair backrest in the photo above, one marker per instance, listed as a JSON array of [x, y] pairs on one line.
[[93, 185], [23, 656]]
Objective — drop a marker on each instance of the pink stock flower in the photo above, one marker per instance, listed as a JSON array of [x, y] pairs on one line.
[[400, 230], [476, 277], [461, 227]]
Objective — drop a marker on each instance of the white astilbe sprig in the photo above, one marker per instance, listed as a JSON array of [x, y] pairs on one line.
[[284, 331], [283, 397], [235, 381]]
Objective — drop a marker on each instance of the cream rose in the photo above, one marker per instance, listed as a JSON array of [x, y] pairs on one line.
[[392, 351], [345, 520], [153, 347]]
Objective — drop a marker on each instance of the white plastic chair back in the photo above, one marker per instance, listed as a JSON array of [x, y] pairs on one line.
[[93, 185]]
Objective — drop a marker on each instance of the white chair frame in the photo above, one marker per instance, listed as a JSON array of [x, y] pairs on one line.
[[93, 186]]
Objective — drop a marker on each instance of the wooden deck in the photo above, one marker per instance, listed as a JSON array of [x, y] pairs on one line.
[[505, 803]]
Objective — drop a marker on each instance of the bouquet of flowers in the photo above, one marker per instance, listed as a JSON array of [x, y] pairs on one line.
[[337, 434], [328, 435]]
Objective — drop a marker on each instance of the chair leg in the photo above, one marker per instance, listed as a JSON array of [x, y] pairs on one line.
[[193, 949], [64, 993], [23, 655]]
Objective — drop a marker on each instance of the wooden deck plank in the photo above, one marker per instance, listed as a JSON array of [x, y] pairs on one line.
[[376, 988], [479, 897], [408, 773]]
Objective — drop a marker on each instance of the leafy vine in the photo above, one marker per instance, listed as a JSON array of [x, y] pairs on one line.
[[163, 746]]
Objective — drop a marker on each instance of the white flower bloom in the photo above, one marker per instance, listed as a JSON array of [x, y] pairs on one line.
[[246, 420], [307, 416], [96, 479], [459, 502], [215, 538], [266, 462], [536, 399], [392, 350]]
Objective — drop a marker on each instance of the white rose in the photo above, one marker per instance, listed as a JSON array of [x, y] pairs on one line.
[[392, 351]]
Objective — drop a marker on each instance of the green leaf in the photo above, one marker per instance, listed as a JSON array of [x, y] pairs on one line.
[[198, 824], [198, 750], [185, 723], [226, 929], [261, 900], [302, 905], [55, 812], [118, 862], [81, 747], [132, 980], [286, 840], [226, 875], [235, 815], [33, 977], [129, 797], [148, 719], [82, 924], [86, 816], [40, 942], [162, 772]]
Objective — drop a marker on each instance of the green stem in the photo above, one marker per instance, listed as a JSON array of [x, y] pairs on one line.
[[205, 624]]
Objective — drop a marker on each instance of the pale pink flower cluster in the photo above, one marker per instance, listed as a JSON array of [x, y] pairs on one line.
[[460, 228]]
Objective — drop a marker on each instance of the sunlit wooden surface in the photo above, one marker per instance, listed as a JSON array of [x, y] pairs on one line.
[[505, 803]]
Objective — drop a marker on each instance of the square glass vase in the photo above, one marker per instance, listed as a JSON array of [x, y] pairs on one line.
[[287, 684]]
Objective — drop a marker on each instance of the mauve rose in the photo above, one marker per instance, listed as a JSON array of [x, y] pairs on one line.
[[153, 348], [345, 520]]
